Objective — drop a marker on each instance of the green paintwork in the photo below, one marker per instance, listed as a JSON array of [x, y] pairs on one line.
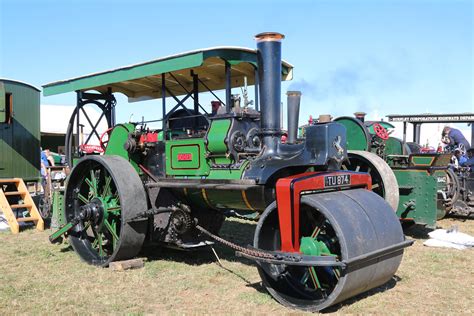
[[161, 136], [355, 136], [312, 246], [117, 139], [57, 158], [20, 139], [58, 218], [216, 136], [194, 165], [3, 103], [216, 141], [123, 74], [60, 232], [105, 192], [441, 177], [394, 146], [103, 80], [424, 161], [228, 173], [418, 196]]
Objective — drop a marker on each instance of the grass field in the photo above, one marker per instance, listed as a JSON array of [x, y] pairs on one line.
[[39, 278]]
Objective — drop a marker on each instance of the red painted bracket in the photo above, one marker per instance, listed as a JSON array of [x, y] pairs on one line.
[[290, 189]]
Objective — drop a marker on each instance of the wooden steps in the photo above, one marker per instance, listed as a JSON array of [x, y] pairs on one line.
[[7, 207], [13, 193]]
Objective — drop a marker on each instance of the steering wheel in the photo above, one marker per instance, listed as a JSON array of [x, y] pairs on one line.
[[103, 143], [381, 131]]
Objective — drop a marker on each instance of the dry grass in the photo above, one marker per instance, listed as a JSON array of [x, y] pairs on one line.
[[39, 278]]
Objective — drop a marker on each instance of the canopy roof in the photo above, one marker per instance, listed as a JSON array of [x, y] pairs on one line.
[[144, 81]]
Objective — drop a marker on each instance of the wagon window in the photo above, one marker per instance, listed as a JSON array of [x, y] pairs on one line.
[[6, 104]]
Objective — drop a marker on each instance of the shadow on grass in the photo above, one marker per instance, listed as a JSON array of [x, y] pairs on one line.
[[384, 287], [240, 233], [417, 231], [462, 217]]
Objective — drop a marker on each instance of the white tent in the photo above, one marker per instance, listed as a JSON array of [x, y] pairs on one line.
[[55, 119]]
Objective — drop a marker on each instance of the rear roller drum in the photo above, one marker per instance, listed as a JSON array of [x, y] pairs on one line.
[[343, 224], [109, 194]]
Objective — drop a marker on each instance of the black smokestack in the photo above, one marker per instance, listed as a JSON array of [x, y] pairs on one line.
[[360, 116], [293, 104], [269, 74]]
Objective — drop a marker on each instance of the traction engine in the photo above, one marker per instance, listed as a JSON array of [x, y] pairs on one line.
[[322, 235]]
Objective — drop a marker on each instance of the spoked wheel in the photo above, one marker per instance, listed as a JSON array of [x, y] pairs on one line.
[[110, 192], [345, 224], [384, 182], [453, 186]]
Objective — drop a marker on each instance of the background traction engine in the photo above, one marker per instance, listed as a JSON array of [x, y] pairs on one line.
[[419, 186], [322, 235]]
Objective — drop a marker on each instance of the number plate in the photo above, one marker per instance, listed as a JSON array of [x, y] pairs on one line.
[[185, 157], [338, 180]]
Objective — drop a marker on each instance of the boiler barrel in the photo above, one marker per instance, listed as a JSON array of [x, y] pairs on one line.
[[251, 200]]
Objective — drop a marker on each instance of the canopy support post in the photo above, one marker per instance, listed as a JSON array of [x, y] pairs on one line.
[[228, 90], [404, 132], [163, 104], [195, 95], [416, 133]]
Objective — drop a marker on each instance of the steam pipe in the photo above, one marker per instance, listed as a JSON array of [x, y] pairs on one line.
[[269, 74], [293, 103]]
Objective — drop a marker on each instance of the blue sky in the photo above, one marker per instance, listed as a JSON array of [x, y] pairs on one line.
[[381, 57]]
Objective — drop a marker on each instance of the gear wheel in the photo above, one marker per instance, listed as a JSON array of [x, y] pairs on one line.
[[181, 221]]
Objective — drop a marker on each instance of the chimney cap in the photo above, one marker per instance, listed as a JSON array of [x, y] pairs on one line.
[[324, 118], [269, 36], [296, 93], [360, 114]]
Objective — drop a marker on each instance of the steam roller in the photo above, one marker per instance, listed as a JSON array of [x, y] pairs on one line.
[[322, 234]]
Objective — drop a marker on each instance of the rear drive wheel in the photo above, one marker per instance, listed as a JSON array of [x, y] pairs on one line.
[[111, 190]]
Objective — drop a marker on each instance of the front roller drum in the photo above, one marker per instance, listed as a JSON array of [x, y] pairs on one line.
[[345, 224]]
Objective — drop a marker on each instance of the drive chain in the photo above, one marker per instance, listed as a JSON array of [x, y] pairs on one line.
[[250, 252]]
